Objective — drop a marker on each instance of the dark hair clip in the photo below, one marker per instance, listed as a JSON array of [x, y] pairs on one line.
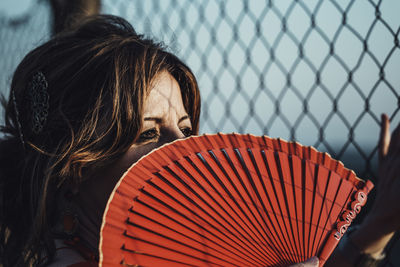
[[39, 101]]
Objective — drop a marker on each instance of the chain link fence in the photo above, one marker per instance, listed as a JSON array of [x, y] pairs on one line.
[[319, 72]]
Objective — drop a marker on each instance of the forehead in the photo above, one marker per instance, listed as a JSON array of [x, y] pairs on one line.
[[164, 97]]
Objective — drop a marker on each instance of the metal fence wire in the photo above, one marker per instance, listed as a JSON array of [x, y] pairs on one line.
[[319, 72]]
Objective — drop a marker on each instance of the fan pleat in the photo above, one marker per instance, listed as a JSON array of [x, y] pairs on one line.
[[232, 207], [193, 227], [206, 196], [267, 200], [161, 236], [236, 210], [309, 198], [342, 192], [243, 194], [322, 180], [295, 168], [329, 197], [159, 247], [171, 226], [139, 228], [283, 169], [276, 198], [247, 194], [251, 174], [282, 161], [262, 196], [148, 260], [228, 200], [187, 208], [215, 216]]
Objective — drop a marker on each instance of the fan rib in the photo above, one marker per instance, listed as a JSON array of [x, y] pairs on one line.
[[190, 174], [229, 157], [280, 162], [185, 245], [233, 198], [295, 174], [193, 212], [269, 165], [272, 199], [337, 207], [331, 198], [198, 162], [149, 259], [214, 240], [304, 192], [166, 252], [246, 163], [196, 238], [268, 242], [212, 218], [211, 229], [322, 186], [225, 189], [192, 191], [313, 173], [262, 188]]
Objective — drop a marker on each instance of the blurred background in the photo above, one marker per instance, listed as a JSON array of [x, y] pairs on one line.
[[318, 72]]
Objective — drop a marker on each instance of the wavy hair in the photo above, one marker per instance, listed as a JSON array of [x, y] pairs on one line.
[[98, 75]]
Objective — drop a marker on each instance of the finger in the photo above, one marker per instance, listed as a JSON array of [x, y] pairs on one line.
[[384, 138]]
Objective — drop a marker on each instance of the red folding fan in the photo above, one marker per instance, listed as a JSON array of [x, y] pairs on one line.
[[229, 200]]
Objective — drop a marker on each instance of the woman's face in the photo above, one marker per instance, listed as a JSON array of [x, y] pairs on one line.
[[164, 120]]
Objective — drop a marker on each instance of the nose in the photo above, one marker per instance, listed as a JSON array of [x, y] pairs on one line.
[[170, 134]]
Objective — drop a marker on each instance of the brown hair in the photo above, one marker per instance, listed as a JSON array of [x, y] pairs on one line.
[[98, 75]]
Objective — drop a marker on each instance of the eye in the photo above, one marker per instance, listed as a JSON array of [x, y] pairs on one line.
[[148, 135], [187, 131]]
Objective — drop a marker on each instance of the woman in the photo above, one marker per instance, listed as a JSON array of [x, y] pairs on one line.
[[77, 105], [83, 107]]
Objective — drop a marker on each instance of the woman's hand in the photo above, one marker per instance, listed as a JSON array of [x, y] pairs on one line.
[[311, 262], [386, 208], [384, 217]]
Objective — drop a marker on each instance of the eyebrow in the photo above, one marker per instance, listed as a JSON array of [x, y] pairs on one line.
[[159, 120], [184, 118]]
